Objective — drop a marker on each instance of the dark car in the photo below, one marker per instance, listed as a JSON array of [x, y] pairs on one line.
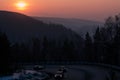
[[62, 68], [38, 68]]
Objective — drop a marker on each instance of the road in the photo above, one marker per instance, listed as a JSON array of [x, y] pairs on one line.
[[85, 72], [82, 72]]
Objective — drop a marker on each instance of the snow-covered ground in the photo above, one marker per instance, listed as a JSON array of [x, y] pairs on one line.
[[6, 78], [82, 72]]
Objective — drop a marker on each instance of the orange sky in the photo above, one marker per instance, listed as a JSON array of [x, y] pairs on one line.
[[84, 9]]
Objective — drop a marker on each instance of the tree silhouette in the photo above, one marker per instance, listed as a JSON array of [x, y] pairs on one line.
[[5, 58], [45, 46], [88, 49], [36, 47]]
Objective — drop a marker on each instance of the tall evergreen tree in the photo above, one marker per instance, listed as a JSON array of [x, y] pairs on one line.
[[88, 48], [98, 52], [5, 58], [45, 47], [68, 51], [116, 48], [36, 47]]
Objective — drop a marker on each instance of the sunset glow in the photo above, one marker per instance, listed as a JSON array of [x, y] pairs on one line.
[[83, 9], [21, 5]]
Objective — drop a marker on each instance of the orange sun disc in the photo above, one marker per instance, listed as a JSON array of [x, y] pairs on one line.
[[21, 5]]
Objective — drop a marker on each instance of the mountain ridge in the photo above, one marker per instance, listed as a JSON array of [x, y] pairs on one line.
[[78, 25], [20, 27]]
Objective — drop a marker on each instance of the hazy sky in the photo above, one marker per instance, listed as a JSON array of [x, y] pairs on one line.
[[83, 9]]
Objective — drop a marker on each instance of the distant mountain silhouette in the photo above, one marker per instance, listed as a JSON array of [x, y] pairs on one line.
[[19, 27], [78, 25]]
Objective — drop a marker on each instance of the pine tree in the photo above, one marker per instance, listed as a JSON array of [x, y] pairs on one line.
[[98, 45], [88, 48], [36, 49], [45, 47], [5, 58]]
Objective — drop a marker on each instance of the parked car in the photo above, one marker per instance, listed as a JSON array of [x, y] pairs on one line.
[[62, 68], [59, 75], [38, 68]]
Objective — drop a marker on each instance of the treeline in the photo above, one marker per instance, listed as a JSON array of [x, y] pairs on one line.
[[43, 50], [104, 45], [37, 51]]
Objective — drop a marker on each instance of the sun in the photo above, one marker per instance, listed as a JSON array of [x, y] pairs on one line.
[[21, 5]]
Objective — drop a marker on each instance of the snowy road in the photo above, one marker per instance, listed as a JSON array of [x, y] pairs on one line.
[[82, 72]]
